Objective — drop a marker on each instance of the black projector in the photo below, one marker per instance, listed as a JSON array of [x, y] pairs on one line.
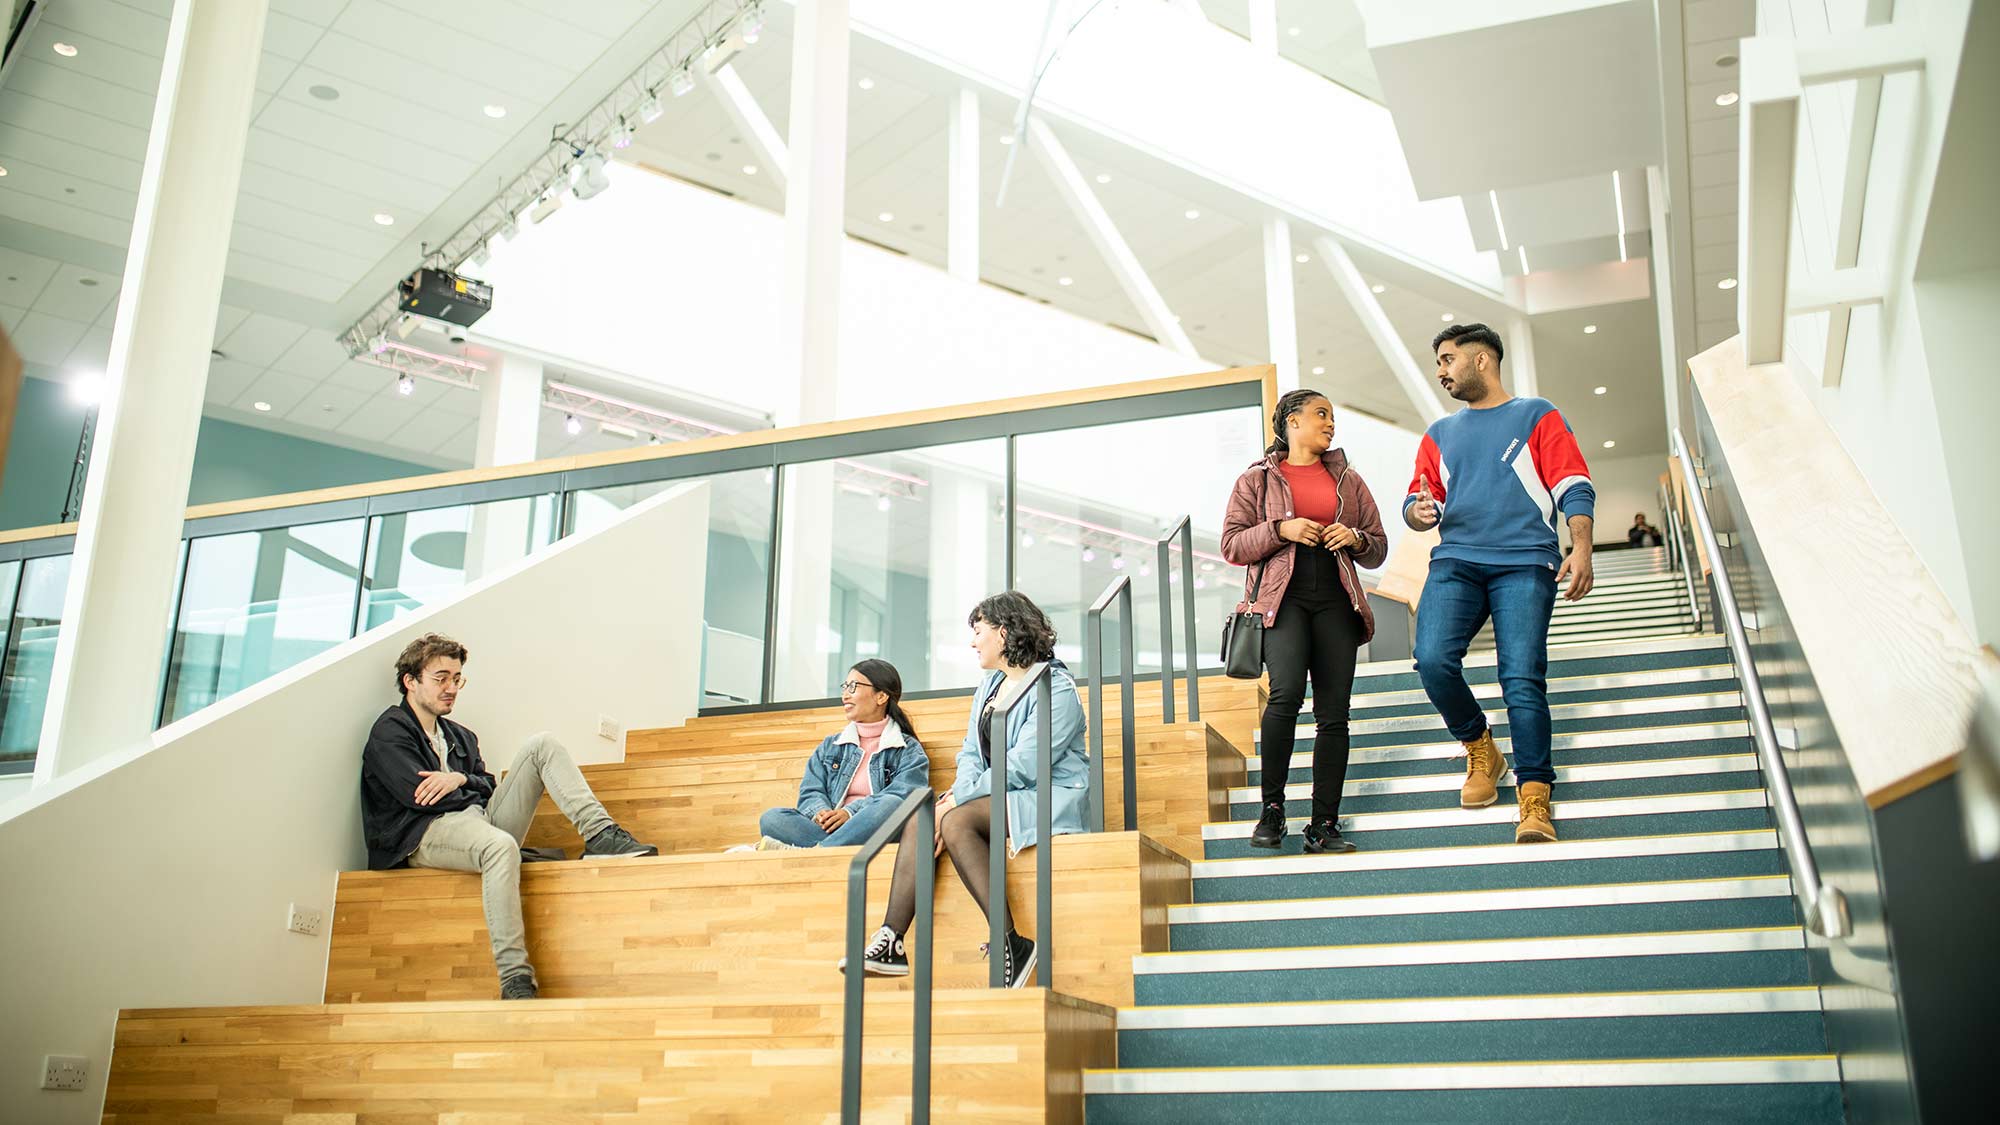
[[442, 295]]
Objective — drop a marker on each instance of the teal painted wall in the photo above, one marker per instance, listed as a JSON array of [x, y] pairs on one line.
[[231, 461]]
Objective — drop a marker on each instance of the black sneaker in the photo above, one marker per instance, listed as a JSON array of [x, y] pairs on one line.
[[884, 957], [518, 986], [1324, 836], [1270, 831], [615, 841], [1019, 971]]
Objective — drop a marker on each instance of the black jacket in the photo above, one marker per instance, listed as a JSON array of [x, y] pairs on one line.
[[397, 749]]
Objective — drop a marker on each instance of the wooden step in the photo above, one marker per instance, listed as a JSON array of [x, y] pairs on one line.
[[743, 923], [997, 1055]]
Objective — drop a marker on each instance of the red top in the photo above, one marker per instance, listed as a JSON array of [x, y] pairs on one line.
[[1314, 493]]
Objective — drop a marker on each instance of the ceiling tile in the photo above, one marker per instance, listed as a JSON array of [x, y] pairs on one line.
[[449, 52], [227, 380], [69, 86], [78, 294], [315, 354], [45, 339], [326, 407], [261, 339], [290, 35], [10, 317], [282, 391], [23, 276]]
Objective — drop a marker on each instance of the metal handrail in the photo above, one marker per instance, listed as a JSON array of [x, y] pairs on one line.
[[1093, 670], [1184, 531], [923, 805], [1003, 710], [1824, 907], [1678, 535]]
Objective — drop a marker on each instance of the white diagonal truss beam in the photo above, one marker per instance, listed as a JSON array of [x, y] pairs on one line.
[[1117, 253], [1380, 329], [1281, 312], [751, 120]]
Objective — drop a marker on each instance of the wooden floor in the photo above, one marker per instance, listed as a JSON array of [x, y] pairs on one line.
[[761, 922], [997, 1055]]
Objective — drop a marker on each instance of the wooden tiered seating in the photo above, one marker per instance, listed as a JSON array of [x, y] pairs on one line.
[[768, 922], [997, 1055]]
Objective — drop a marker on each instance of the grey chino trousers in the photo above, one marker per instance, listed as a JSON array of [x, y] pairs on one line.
[[488, 840]]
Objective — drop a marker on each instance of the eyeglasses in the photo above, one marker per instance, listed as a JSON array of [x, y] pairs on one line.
[[449, 679], [852, 686]]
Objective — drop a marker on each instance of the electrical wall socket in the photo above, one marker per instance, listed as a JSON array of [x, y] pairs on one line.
[[608, 727], [64, 1072], [302, 920]]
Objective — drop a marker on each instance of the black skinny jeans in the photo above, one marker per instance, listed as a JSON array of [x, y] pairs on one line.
[[1316, 632]]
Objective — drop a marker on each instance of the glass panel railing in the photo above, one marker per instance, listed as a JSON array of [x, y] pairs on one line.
[[31, 652], [416, 558], [256, 603]]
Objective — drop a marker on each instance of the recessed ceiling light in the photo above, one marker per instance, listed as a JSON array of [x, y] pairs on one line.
[[1378, 289], [1292, 31], [1726, 283], [66, 50], [1319, 370], [1599, 390], [866, 83], [749, 169], [1193, 214], [1006, 138], [496, 111], [262, 406], [1727, 99], [1302, 259], [1104, 177], [1590, 329], [3, 169], [1065, 281], [1446, 317], [1610, 445], [384, 218], [87, 282], [324, 93], [886, 217], [1725, 61]]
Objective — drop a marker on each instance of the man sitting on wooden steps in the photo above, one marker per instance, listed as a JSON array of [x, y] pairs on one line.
[[427, 800]]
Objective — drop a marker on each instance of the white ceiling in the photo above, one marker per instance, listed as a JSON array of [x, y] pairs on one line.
[[1324, 36], [1711, 30]]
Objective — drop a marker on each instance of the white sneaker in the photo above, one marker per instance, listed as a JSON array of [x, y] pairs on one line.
[[739, 848], [773, 844]]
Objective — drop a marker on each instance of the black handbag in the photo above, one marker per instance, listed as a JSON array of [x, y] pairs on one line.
[[1243, 637]]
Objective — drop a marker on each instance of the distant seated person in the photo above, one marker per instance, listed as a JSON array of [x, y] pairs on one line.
[[1643, 534], [1010, 636], [427, 800], [857, 777]]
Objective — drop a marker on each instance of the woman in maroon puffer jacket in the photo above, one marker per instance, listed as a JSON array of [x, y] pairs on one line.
[[1302, 520]]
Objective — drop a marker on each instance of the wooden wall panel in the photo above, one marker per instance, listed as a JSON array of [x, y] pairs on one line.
[[761, 922], [1000, 1056]]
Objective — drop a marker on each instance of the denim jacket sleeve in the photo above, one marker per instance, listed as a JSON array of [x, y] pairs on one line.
[[813, 794], [913, 770], [1065, 721]]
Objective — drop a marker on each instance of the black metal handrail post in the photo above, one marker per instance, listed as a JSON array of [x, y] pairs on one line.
[[1093, 670], [1184, 531], [923, 805], [1003, 709]]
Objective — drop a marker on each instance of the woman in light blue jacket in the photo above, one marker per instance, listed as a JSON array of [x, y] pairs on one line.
[[1011, 635], [857, 777]]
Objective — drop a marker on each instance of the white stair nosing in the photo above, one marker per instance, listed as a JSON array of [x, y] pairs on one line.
[[1596, 709], [1745, 762], [1499, 899], [1577, 740], [1580, 947], [1453, 1009], [1517, 1075], [1499, 814], [1480, 855], [1697, 642], [1564, 685]]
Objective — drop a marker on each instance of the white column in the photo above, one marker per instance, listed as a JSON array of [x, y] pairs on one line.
[[510, 420], [1280, 301], [1663, 293], [1380, 329], [962, 195], [1521, 357], [962, 531], [108, 656], [1264, 26], [815, 214]]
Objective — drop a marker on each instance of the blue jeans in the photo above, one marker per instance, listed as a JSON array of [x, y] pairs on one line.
[[1458, 596], [797, 829]]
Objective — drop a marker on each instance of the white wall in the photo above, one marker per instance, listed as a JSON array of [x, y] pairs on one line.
[[1886, 409], [162, 877], [1625, 485], [677, 285]]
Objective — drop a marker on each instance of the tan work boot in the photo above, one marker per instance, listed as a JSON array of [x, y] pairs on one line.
[[1484, 766], [1537, 825]]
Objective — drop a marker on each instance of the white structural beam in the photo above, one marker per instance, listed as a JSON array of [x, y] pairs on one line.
[[815, 214], [1264, 26], [1281, 312], [510, 423], [1663, 252], [750, 119], [1521, 357], [962, 189], [112, 645], [1104, 235], [1355, 288]]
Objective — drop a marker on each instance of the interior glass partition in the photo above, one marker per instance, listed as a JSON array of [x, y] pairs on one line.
[[31, 652], [419, 557]]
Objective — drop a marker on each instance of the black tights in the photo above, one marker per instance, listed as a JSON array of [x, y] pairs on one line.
[[968, 839]]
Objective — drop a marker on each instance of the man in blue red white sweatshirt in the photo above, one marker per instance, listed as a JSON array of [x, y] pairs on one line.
[[1493, 478]]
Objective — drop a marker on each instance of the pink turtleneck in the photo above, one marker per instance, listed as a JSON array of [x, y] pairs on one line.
[[871, 741]]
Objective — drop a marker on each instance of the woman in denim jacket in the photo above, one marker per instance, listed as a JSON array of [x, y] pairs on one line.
[[1011, 635], [855, 779]]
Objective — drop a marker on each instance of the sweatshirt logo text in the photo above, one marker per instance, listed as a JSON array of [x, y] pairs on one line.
[[1510, 450]]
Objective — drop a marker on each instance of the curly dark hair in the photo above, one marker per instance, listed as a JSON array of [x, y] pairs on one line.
[[1471, 334], [1030, 637], [421, 652], [1290, 403]]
